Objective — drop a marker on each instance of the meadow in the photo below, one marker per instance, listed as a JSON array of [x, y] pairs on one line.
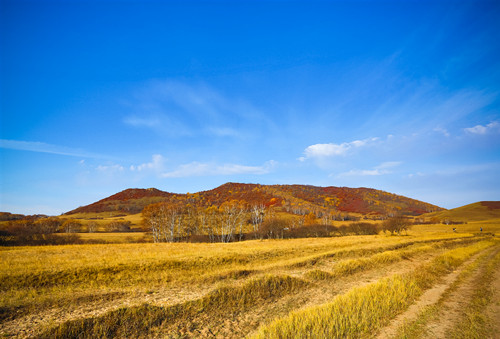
[[345, 287]]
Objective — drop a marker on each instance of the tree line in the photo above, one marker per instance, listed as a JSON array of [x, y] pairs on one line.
[[235, 221], [43, 230]]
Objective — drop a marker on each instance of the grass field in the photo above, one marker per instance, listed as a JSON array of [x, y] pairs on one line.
[[309, 288]]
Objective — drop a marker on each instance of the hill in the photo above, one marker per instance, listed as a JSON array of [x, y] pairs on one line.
[[295, 199], [479, 211], [129, 201]]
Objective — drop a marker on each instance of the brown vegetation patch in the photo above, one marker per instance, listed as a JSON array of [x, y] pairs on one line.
[[492, 205]]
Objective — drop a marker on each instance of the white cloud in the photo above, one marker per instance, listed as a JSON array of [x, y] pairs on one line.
[[363, 173], [156, 164], [110, 168], [418, 174], [388, 164], [332, 150], [383, 168], [493, 126], [442, 131], [209, 169]]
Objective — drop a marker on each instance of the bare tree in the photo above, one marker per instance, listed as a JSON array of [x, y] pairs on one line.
[[153, 217], [47, 225], [71, 226], [257, 213], [231, 218], [92, 227]]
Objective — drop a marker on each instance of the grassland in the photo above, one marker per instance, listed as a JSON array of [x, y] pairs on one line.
[[319, 287], [485, 211]]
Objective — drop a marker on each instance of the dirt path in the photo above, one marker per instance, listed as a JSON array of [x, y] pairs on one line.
[[493, 310], [431, 297], [452, 306]]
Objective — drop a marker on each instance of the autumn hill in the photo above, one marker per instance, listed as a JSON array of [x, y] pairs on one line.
[[478, 211], [294, 199]]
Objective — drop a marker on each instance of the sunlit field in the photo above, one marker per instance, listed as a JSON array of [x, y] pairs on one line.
[[315, 287]]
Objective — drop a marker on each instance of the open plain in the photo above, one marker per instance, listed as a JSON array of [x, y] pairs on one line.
[[352, 286]]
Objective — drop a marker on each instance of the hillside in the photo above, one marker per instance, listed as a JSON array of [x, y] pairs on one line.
[[479, 211], [295, 199], [129, 201]]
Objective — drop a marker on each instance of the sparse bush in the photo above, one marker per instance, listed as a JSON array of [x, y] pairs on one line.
[[199, 238], [30, 231], [312, 231], [119, 226], [364, 228], [343, 230], [92, 227], [273, 228], [71, 226], [47, 225], [396, 224]]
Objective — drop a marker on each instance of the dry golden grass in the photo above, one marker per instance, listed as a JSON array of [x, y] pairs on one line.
[[365, 309], [473, 321], [115, 237], [205, 283]]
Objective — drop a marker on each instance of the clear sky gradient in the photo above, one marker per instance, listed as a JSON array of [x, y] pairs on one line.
[[100, 96]]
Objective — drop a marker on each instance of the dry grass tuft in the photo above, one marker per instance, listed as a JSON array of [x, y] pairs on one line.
[[370, 307]]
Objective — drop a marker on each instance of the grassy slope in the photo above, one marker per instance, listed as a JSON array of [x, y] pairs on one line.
[[478, 211]]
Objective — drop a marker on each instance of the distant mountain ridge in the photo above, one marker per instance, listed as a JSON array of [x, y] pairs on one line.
[[296, 199]]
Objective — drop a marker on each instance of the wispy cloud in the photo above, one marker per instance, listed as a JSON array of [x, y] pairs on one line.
[[196, 169], [178, 109], [157, 164], [223, 132], [160, 122], [383, 168], [110, 168], [332, 150], [443, 131], [150, 122], [492, 127], [42, 147]]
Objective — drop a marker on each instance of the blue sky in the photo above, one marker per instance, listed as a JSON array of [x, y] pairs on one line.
[[100, 96]]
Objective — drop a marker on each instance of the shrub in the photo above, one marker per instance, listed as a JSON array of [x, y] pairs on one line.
[[365, 228], [315, 230], [71, 226], [92, 226], [396, 224], [119, 226], [35, 232], [273, 228]]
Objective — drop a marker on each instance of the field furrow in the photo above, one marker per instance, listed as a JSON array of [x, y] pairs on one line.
[[223, 290]]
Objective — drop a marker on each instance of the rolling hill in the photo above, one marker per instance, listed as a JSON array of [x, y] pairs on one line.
[[479, 211], [295, 199]]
